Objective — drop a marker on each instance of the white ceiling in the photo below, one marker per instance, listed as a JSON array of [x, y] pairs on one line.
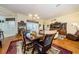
[[45, 11]]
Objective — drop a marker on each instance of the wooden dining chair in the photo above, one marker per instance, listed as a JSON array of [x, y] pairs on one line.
[[45, 45], [26, 43]]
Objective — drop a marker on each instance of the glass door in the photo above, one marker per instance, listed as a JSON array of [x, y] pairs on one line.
[[2, 23], [10, 27], [31, 26]]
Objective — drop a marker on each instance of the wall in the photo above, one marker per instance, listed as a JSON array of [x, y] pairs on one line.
[[22, 17], [71, 18], [5, 13]]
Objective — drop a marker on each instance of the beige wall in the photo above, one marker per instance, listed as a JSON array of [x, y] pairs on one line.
[[4, 12], [22, 17], [8, 13], [71, 18]]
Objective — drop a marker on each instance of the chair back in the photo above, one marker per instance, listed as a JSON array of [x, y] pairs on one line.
[[48, 39], [25, 37]]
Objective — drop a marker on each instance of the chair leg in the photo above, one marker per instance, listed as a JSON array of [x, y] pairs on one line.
[[24, 50], [33, 50]]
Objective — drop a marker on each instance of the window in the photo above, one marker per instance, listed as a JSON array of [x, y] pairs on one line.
[[10, 27], [31, 26]]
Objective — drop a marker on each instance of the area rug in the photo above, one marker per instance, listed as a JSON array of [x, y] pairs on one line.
[[15, 48], [12, 48]]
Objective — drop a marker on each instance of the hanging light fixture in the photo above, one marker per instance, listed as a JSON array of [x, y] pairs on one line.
[[30, 15], [35, 16]]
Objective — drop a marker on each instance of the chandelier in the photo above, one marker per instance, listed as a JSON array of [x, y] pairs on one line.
[[31, 16]]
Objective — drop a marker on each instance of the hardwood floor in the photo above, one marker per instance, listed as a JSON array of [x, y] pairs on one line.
[[67, 44], [0, 50], [6, 43]]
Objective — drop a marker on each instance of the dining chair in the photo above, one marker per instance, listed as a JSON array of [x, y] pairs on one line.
[[45, 45], [27, 42]]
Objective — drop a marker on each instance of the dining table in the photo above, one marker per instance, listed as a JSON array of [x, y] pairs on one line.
[[35, 39], [40, 37]]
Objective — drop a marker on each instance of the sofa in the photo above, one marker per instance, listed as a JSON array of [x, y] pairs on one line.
[[74, 37]]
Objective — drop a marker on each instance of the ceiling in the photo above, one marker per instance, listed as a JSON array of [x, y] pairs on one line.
[[45, 11]]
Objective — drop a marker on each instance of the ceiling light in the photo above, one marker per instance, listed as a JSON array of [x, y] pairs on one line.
[[36, 15], [30, 15]]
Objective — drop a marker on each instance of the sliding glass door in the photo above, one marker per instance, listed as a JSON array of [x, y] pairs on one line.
[[2, 20], [32, 26], [8, 27]]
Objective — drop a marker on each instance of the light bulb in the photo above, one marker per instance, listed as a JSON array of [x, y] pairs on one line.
[[30, 15], [36, 15]]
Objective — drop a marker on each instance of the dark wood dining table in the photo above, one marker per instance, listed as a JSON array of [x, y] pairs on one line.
[[37, 38]]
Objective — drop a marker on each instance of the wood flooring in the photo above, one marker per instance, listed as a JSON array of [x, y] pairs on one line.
[[65, 43]]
